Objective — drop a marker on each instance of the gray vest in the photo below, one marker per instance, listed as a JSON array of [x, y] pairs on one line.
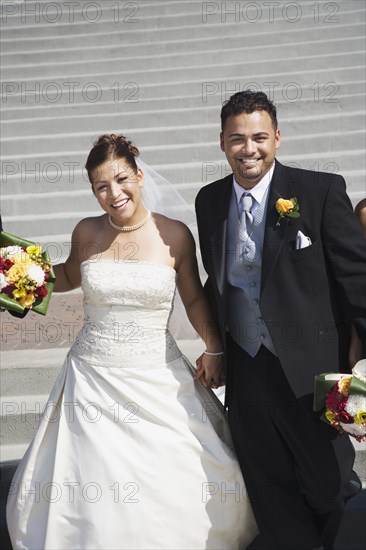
[[243, 276]]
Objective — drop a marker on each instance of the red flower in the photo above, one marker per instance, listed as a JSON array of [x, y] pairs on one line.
[[8, 290], [334, 400], [41, 292], [5, 265], [345, 417]]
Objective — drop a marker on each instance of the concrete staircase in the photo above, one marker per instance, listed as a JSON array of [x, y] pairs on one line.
[[158, 72]]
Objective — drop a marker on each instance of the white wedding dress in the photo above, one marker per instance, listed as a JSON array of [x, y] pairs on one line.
[[125, 456]]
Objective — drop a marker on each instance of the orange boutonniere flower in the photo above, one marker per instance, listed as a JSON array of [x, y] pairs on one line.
[[287, 207]]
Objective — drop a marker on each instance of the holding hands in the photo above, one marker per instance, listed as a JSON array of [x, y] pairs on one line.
[[210, 369]]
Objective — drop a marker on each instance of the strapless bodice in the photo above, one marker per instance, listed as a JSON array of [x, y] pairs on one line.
[[127, 308]]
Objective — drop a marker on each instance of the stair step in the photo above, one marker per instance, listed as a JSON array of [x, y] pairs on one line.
[[228, 37], [191, 175], [135, 119], [129, 95], [328, 52], [322, 140], [175, 126], [29, 374], [71, 200], [12, 453], [173, 51], [91, 78], [192, 151], [191, 23], [20, 418]]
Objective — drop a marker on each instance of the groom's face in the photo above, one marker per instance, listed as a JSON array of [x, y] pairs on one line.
[[249, 142]]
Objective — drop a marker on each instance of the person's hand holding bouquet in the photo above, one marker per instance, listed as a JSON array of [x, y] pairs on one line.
[[342, 400], [26, 276]]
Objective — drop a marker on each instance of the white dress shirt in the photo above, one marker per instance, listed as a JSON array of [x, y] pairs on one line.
[[257, 191]]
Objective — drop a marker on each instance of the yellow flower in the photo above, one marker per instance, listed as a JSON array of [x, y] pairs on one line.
[[360, 417], [329, 416], [344, 384], [22, 259], [34, 249], [287, 207], [19, 292], [16, 272], [27, 300], [284, 205]]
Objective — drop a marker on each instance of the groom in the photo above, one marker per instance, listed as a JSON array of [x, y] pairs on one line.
[[286, 279]]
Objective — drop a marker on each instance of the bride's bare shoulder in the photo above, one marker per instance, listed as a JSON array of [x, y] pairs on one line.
[[176, 235], [88, 227], [169, 227]]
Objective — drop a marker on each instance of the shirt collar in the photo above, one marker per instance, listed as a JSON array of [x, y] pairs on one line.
[[258, 190]]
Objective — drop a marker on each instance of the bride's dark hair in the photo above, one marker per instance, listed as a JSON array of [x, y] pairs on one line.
[[110, 146]]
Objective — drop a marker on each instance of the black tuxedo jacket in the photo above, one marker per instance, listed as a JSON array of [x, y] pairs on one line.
[[309, 296]]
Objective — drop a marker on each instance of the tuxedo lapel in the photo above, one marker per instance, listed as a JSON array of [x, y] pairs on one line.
[[281, 187]]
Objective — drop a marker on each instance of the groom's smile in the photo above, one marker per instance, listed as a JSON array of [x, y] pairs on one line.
[[249, 142]]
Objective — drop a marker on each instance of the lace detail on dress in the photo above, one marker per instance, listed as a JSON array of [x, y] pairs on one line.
[[129, 283], [127, 308]]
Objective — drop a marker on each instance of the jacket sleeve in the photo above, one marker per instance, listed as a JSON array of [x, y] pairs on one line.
[[345, 250]]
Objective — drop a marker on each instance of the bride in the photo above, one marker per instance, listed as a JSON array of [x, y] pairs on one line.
[[126, 456]]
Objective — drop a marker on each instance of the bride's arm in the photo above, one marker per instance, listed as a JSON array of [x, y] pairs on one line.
[[198, 309], [68, 273]]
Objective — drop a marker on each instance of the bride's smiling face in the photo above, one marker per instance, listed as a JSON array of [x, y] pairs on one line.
[[117, 188]]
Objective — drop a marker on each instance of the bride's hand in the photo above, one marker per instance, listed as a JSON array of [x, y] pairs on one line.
[[210, 370]]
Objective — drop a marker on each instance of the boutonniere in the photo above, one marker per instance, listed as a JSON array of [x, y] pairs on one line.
[[287, 207]]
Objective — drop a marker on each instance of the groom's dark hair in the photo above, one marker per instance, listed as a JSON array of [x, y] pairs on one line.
[[248, 101]]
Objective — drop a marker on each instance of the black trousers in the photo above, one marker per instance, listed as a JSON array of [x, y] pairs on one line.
[[297, 469]]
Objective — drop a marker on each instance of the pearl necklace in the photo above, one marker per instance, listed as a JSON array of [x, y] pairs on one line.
[[130, 227]]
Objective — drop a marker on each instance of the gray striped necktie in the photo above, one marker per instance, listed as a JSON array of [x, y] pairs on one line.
[[246, 218]]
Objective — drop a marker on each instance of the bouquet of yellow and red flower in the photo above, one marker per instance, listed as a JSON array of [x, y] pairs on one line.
[[26, 275], [342, 400]]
